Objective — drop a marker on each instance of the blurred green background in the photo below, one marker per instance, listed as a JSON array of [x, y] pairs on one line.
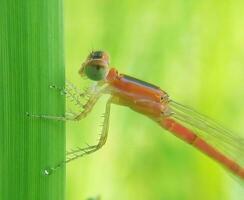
[[191, 49]]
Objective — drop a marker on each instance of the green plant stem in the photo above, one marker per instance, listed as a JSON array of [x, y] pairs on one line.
[[31, 59]]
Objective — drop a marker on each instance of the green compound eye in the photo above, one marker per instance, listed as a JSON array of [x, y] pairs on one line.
[[95, 72]]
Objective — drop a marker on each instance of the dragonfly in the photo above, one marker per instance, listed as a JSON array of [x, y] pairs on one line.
[[195, 129]]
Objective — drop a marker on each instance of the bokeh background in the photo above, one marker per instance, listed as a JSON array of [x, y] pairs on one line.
[[194, 50]]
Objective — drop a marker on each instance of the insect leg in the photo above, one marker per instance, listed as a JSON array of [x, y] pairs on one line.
[[102, 139], [80, 152], [87, 107]]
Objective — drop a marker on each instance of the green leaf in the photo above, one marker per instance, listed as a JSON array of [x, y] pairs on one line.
[[31, 59]]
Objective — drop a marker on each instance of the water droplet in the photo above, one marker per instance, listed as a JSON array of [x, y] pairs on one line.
[[47, 171]]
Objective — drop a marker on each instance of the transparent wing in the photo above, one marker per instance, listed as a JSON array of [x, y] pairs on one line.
[[221, 138]]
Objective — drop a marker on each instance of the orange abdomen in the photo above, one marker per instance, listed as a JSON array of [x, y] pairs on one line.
[[190, 137]]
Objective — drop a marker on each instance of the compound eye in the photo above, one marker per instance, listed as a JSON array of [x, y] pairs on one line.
[[95, 72], [97, 55]]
